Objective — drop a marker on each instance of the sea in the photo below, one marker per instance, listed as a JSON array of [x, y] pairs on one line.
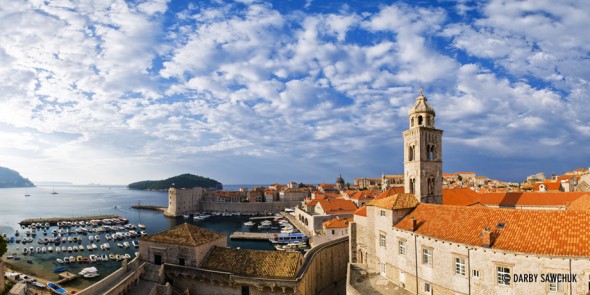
[[76, 200]]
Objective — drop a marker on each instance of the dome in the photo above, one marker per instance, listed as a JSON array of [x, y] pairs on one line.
[[340, 179], [421, 105]]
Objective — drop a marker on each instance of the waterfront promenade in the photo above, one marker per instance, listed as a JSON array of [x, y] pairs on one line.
[[251, 236]]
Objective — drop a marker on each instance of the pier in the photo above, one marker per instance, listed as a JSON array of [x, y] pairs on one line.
[[66, 277], [148, 207], [263, 217], [54, 220], [251, 236]]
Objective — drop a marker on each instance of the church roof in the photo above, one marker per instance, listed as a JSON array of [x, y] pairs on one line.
[[397, 201], [186, 235], [253, 263], [421, 105], [543, 232], [390, 192]]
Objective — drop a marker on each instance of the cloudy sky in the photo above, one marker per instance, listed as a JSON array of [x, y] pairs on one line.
[[250, 91]]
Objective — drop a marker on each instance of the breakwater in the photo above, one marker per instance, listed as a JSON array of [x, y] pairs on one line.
[[149, 207], [54, 220]]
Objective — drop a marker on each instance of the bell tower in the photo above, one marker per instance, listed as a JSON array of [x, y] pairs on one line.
[[423, 154]]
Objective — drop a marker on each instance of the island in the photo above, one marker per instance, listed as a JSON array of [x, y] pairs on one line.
[[11, 178], [180, 181]]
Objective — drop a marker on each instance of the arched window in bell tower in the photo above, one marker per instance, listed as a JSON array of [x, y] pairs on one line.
[[428, 121], [430, 150], [411, 153], [420, 120], [430, 186], [412, 122], [412, 185]]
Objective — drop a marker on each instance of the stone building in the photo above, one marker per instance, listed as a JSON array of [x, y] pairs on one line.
[[312, 214], [423, 154], [184, 244], [183, 201], [293, 194], [340, 184], [487, 245]]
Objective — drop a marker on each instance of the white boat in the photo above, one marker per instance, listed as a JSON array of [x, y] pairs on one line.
[[135, 243], [59, 261], [141, 226], [104, 257], [107, 236], [249, 223], [89, 272], [94, 247], [91, 238], [97, 238], [185, 216], [93, 258], [119, 245], [67, 259], [127, 256], [126, 244], [89, 247], [50, 249], [57, 249]]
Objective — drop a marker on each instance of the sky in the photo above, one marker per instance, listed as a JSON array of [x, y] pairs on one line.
[[250, 91]]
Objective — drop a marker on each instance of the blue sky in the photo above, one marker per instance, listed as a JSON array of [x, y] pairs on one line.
[[256, 92]]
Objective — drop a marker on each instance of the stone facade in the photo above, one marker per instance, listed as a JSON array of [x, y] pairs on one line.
[[293, 195], [184, 201], [423, 154]]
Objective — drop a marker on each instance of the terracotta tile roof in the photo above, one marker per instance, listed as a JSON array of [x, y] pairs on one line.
[[460, 197], [390, 192], [581, 203], [546, 232], [362, 211], [253, 263], [530, 198], [338, 222], [186, 235], [397, 201], [549, 185], [312, 203], [337, 206]]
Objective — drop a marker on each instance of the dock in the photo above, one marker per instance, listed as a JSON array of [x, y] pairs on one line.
[[250, 236], [148, 207], [54, 220], [66, 277], [263, 217]]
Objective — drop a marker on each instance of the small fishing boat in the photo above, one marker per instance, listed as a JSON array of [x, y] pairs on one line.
[[249, 223], [56, 288], [72, 259], [66, 259], [38, 285], [97, 238], [59, 261], [185, 216], [89, 272], [126, 244], [59, 269], [70, 249], [93, 246], [85, 260], [127, 256], [104, 257], [119, 245], [79, 259], [135, 243], [112, 256], [118, 257], [57, 249]]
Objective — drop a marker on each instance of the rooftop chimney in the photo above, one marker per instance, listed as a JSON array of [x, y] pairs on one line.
[[414, 223], [486, 238]]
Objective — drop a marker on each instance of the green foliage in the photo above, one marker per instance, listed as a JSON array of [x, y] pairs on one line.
[[459, 177], [180, 181], [301, 185], [3, 247]]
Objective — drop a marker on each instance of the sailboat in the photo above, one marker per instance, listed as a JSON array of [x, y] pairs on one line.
[[27, 193], [54, 192]]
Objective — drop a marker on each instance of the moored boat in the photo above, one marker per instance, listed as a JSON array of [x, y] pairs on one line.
[[57, 289]]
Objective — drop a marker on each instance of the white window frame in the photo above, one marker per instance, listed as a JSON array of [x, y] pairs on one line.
[[427, 256], [382, 213], [402, 247], [460, 267], [382, 240], [555, 287], [500, 272]]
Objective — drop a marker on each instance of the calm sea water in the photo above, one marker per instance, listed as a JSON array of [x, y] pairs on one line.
[[98, 200]]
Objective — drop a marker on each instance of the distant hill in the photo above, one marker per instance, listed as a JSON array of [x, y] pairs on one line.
[[11, 178], [180, 181]]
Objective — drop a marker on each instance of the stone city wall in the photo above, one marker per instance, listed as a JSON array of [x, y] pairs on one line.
[[324, 267], [112, 279]]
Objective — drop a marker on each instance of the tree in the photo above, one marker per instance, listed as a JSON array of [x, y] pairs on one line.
[[459, 177], [3, 247]]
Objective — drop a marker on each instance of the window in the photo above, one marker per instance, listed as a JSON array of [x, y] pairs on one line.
[[181, 261], [555, 287], [427, 288], [332, 231], [402, 247], [475, 273], [503, 275], [460, 266], [382, 213], [382, 240], [427, 256]]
